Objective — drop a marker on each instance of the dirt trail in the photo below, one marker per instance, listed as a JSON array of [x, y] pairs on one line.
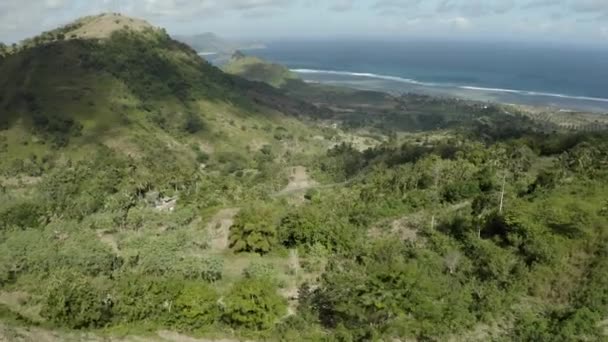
[[108, 239], [171, 336], [219, 228], [299, 180], [290, 292], [35, 334]]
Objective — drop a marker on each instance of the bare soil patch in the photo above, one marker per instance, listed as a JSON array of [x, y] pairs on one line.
[[219, 228], [299, 180]]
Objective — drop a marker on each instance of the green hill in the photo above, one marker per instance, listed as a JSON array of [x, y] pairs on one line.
[[256, 69], [120, 80], [131, 94]]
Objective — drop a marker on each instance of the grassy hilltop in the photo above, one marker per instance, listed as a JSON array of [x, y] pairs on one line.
[[148, 195]]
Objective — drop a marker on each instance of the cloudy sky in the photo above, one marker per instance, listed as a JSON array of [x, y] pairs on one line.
[[554, 20]]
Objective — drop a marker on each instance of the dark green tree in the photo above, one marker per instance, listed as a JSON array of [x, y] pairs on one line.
[[254, 230]]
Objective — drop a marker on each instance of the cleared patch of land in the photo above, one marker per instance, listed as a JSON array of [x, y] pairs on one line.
[[219, 228], [299, 180]]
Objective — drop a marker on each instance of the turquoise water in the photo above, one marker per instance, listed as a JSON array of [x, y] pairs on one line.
[[568, 77]]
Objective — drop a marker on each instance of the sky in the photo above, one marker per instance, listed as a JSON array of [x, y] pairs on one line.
[[530, 20]]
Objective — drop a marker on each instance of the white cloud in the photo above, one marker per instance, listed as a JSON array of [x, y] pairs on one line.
[[460, 23], [22, 18], [342, 5], [476, 7], [55, 4]]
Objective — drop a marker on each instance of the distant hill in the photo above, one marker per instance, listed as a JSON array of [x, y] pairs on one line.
[[212, 43], [256, 69]]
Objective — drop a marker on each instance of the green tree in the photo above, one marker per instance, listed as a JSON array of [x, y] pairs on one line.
[[579, 325], [253, 304], [530, 328], [72, 301], [316, 224], [385, 291], [140, 298], [20, 214], [196, 307], [193, 124], [254, 230]]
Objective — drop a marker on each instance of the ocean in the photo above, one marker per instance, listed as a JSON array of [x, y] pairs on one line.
[[560, 76]]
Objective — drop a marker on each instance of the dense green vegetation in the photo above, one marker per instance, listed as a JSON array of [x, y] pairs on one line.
[[171, 202]]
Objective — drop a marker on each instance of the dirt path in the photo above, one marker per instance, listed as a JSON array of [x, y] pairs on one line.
[[108, 239], [36, 334], [299, 180], [290, 292], [219, 228]]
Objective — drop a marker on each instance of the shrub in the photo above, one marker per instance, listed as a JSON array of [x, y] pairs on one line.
[[72, 301], [253, 304], [193, 124], [254, 230], [139, 298], [202, 157], [232, 161], [208, 269], [261, 271], [314, 225], [85, 254], [578, 325], [532, 328], [459, 191], [21, 214], [311, 194], [196, 307]]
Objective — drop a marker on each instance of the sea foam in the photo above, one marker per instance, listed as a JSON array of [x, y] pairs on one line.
[[428, 84], [363, 74]]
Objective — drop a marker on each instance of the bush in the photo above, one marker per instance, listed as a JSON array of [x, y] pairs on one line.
[[261, 271], [253, 304], [202, 157], [532, 328], [232, 161], [85, 254], [208, 269], [21, 215], [193, 124], [311, 194], [72, 301], [315, 225], [196, 307], [139, 298], [459, 191], [254, 230], [578, 325]]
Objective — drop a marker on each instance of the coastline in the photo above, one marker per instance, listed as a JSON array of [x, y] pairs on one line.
[[395, 84]]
